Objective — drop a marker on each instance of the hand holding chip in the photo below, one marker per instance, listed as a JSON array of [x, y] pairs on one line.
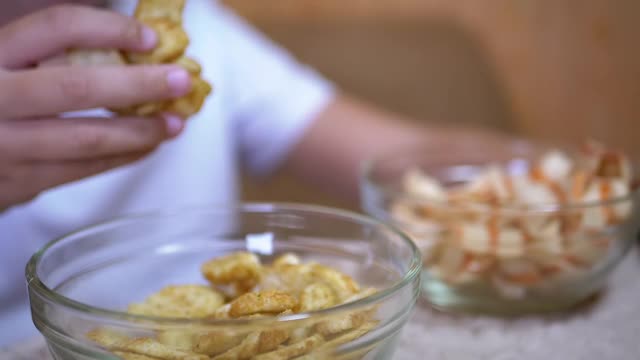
[[39, 148], [165, 18]]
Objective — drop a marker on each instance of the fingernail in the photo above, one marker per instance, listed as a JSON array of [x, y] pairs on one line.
[[179, 81], [174, 124], [149, 38]]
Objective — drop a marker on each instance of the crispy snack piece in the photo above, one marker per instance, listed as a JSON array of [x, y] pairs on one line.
[[348, 321], [273, 302], [241, 267], [295, 278], [343, 285], [190, 65], [172, 43], [317, 297], [241, 345], [288, 277], [291, 351], [107, 338], [190, 104], [343, 323], [348, 336], [188, 301], [177, 339], [140, 346], [217, 342], [327, 350], [245, 350], [171, 10], [165, 17], [300, 334], [270, 340], [150, 347], [286, 259]]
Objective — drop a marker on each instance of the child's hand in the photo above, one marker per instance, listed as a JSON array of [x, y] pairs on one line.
[[39, 150]]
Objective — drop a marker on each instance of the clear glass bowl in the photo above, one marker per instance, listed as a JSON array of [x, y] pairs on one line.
[[562, 284], [85, 280]]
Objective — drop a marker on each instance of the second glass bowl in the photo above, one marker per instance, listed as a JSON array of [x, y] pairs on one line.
[[464, 270]]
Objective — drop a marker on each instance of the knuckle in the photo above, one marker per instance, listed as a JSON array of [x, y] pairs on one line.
[[87, 141], [152, 80], [75, 88], [129, 31], [148, 83], [150, 132]]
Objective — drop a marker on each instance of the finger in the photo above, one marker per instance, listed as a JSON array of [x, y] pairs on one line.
[[79, 139], [54, 90], [45, 175], [53, 30]]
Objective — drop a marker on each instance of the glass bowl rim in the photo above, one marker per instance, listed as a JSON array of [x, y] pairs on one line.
[[410, 275], [368, 180]]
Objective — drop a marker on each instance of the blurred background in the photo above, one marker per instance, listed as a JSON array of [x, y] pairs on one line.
[[560, 70]]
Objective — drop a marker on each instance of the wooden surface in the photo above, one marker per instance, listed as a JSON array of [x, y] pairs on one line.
[[607, 328]]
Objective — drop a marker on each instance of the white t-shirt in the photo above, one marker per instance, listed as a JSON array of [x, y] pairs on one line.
[[262, 103]]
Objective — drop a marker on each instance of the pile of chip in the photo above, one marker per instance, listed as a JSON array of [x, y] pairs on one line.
[[243, 288], [516, 230]]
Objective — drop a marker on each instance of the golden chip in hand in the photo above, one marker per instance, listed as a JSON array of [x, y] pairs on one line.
[[165, 18]]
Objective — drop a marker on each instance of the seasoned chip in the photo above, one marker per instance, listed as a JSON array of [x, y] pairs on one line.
[[180, 340], [217, 342], [114, 341], [172, 42], [189, 301], [222, 312], [262, 302], [190, 65], [165, 17], [296, 349], [150, 347], [317, 297], [245, 350], [192, 102], [271, 339], [343, 285], [286, 277], [233, 268], [160, 9], [107, 338], [287, 259], [342, 323], [347, 337], [300, 334]]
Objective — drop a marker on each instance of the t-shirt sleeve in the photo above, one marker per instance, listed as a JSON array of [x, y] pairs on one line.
[[272, 98]]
